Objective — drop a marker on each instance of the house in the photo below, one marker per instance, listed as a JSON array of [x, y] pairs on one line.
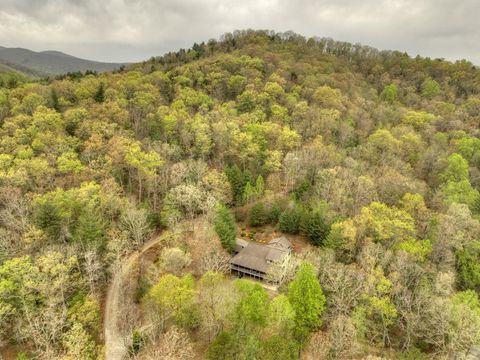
[[256, 260]]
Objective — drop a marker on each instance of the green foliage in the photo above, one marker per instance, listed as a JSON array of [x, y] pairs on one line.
[[277, 347], [418, 118], [258, 215], [385, 223], [468, 147], [173, 298], [460, 192], [418, 248], [251, 310], [68, 163], [468, 265], [238, 181], [430, 88], [138, 341], [91, 164], [225, 227], [315, 227], [290, 220], [223, 347], [456, 169], [302, 189], [99, 95], [90, 230], [413, 354], [274, 212], [307, 299], [390, 93]]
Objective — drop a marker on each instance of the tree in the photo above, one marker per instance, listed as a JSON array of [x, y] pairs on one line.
[[307, 299], [99, 95], [456, 169], [216, 296], [174, 260], [68, 163], [136, 225], [290, 220], [314, 227], [257, 215], [173, 298], [79, 344], [468, 265], [281, 316], [174, 344], [390, 93], [250, 312], [145, 164], [225, 227], [90, 230], [430, 88], [386, 224]]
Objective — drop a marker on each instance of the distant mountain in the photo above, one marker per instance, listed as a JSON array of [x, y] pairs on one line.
[[47, 63]]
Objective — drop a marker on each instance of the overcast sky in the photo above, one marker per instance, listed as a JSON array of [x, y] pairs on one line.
[[134, 30]]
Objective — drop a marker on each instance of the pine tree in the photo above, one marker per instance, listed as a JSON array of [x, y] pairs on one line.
[[90, 230], [259, 186], [225, 227], [314, 227], [289, 221], [258, 215], [99, 96]]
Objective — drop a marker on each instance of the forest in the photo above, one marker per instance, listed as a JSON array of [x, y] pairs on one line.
[[368, 160]]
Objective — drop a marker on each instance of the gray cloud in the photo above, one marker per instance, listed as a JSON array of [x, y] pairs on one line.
[[133, 30]]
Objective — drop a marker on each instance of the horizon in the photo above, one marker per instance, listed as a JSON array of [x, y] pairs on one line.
[[218, 39], [133, 31]]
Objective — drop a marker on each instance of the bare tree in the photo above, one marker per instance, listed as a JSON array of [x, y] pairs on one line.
[[175, 344], [342, 337], [174, 260], [135, 223], [216, 261]]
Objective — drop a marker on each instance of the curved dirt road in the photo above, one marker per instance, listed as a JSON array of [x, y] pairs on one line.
[[115, 347]]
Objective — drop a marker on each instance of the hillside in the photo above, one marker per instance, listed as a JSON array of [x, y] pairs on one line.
[[367, 161], [49, 63]]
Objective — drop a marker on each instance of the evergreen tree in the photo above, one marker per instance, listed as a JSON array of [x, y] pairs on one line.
[[238, 180], [99, 96], [249, 193], [314, 227], [259, 186], [225, 227], [90, 230], [274, 213], [307, 299], [290, 220], [258, 215]]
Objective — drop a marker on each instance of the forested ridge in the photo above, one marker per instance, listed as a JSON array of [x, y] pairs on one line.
[[369, 159]]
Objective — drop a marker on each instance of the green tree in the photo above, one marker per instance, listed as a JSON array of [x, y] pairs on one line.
[[468, 266], [90, 230], [456, 169], [307, 299], [390, 93], [225, 227], [290, 220], [430, 88], [315, 227], [257, 215], [281, 316], [174, 298], [99, 95]]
